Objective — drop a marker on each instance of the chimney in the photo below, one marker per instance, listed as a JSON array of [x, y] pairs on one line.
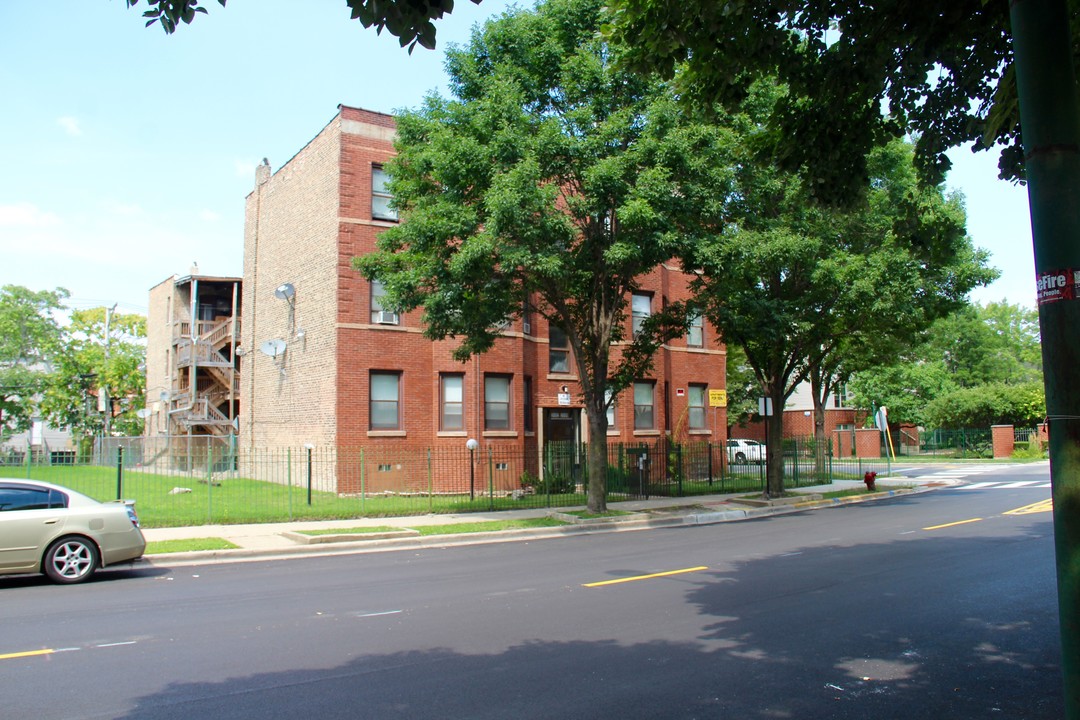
[[262, 173]]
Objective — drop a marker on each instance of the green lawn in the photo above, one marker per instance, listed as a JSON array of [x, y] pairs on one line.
[[241, 500]]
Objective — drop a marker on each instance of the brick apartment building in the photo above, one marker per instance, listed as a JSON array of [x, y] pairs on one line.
[[192, 371], [324, 365]]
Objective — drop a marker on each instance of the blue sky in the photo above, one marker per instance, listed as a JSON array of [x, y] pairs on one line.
[[127, 153]]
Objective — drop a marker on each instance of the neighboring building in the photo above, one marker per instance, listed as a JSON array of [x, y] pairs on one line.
[[840, 416], [325, 365], [192, 367]]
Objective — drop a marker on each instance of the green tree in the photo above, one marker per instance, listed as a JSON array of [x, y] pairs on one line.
[[103, 356], [556, 177], [906, 388], [946, 71], [29, 340], [982, 406], [998, 342], [790, 280], [743, 389]]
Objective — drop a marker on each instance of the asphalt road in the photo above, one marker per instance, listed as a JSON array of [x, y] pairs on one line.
[[938, 605]]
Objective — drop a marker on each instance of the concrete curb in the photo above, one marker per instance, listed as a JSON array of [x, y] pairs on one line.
[[409, 539]]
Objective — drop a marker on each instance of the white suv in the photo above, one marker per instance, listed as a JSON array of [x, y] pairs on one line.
[[741, 452]]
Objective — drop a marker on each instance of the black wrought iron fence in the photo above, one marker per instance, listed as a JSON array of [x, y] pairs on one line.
[[201, 480]]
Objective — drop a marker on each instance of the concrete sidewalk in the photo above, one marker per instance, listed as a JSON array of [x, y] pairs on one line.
[[277, 540]]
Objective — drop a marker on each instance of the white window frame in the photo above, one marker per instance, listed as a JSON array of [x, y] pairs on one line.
[[380, 196]]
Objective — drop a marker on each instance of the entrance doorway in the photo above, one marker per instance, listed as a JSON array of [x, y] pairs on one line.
[[562, 451]]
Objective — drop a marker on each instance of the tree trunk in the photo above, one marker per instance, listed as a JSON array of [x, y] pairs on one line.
[[774, 442], [596, 496]]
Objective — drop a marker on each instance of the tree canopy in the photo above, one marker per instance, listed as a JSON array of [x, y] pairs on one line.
[[29, 338], [859, 73], [797, 284], [556, 178], [978, 366], [408, 20], [102, 356]]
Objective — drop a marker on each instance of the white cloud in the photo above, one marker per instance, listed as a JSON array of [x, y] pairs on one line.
[[26, 215], [70, 125]]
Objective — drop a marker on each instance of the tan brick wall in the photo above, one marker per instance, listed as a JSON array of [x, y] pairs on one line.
[[291, 237], [158, 355]]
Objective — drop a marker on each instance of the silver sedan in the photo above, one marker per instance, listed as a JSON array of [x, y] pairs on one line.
[[45, 528]]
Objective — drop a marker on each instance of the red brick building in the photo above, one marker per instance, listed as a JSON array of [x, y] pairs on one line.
[[323, 364]]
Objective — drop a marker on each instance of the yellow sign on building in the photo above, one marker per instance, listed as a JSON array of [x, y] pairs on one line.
[[718, 398]]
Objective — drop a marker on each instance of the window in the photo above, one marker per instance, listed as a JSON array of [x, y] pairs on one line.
[[527, 401], [496, 402], [695, 333], [378, 314], [452, 396], [640, 308], [13, 498], [840, 395], [385, 403], [696, 401], [558, 351], [526, 317], [380, 196], [610, 409], [644, 410]]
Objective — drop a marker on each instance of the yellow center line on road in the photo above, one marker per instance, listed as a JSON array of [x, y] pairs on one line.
[[1044, 506], [645, 577], [30, 653], [952, 524]]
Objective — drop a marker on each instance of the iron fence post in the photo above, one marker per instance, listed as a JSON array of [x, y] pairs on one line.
[[288, 477], [308, 476], [120, 472], [209, 484], [491, 480]]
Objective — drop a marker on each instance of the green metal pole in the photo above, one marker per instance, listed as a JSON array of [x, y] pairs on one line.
[[120, 472], [430, 484], [491, 481], [209, 484], [1050, 119]]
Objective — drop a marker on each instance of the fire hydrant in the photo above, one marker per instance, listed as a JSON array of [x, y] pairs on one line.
[[869, 479]]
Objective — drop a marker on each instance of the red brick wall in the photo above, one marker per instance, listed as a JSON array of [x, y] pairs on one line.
[[287, 240], [1004, 439]]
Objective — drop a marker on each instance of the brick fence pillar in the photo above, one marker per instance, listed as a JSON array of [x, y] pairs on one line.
[[1004, 439], [868, 443]]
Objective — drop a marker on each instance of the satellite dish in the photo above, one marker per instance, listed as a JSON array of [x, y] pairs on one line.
[[273, 348], [144, 413], [285, 291]]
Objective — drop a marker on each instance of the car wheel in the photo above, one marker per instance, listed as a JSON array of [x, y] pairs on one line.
[[740, 458], [71, 560]]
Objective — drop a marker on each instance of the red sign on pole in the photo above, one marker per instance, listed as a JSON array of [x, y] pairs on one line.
[[1057, 285]]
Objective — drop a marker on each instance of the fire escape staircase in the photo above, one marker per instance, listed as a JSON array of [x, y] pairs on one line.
[[213, 387]]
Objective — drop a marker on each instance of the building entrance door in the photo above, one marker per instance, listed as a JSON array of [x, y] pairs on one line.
[[562, 450]]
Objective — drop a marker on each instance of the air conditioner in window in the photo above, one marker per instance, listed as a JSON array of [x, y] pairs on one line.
[[386, 318]]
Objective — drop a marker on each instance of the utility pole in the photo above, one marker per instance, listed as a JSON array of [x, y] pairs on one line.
[[1050, 122]]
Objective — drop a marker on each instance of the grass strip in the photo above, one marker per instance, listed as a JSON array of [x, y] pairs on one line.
[[349, 531], [158, 547], [489, 526]]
